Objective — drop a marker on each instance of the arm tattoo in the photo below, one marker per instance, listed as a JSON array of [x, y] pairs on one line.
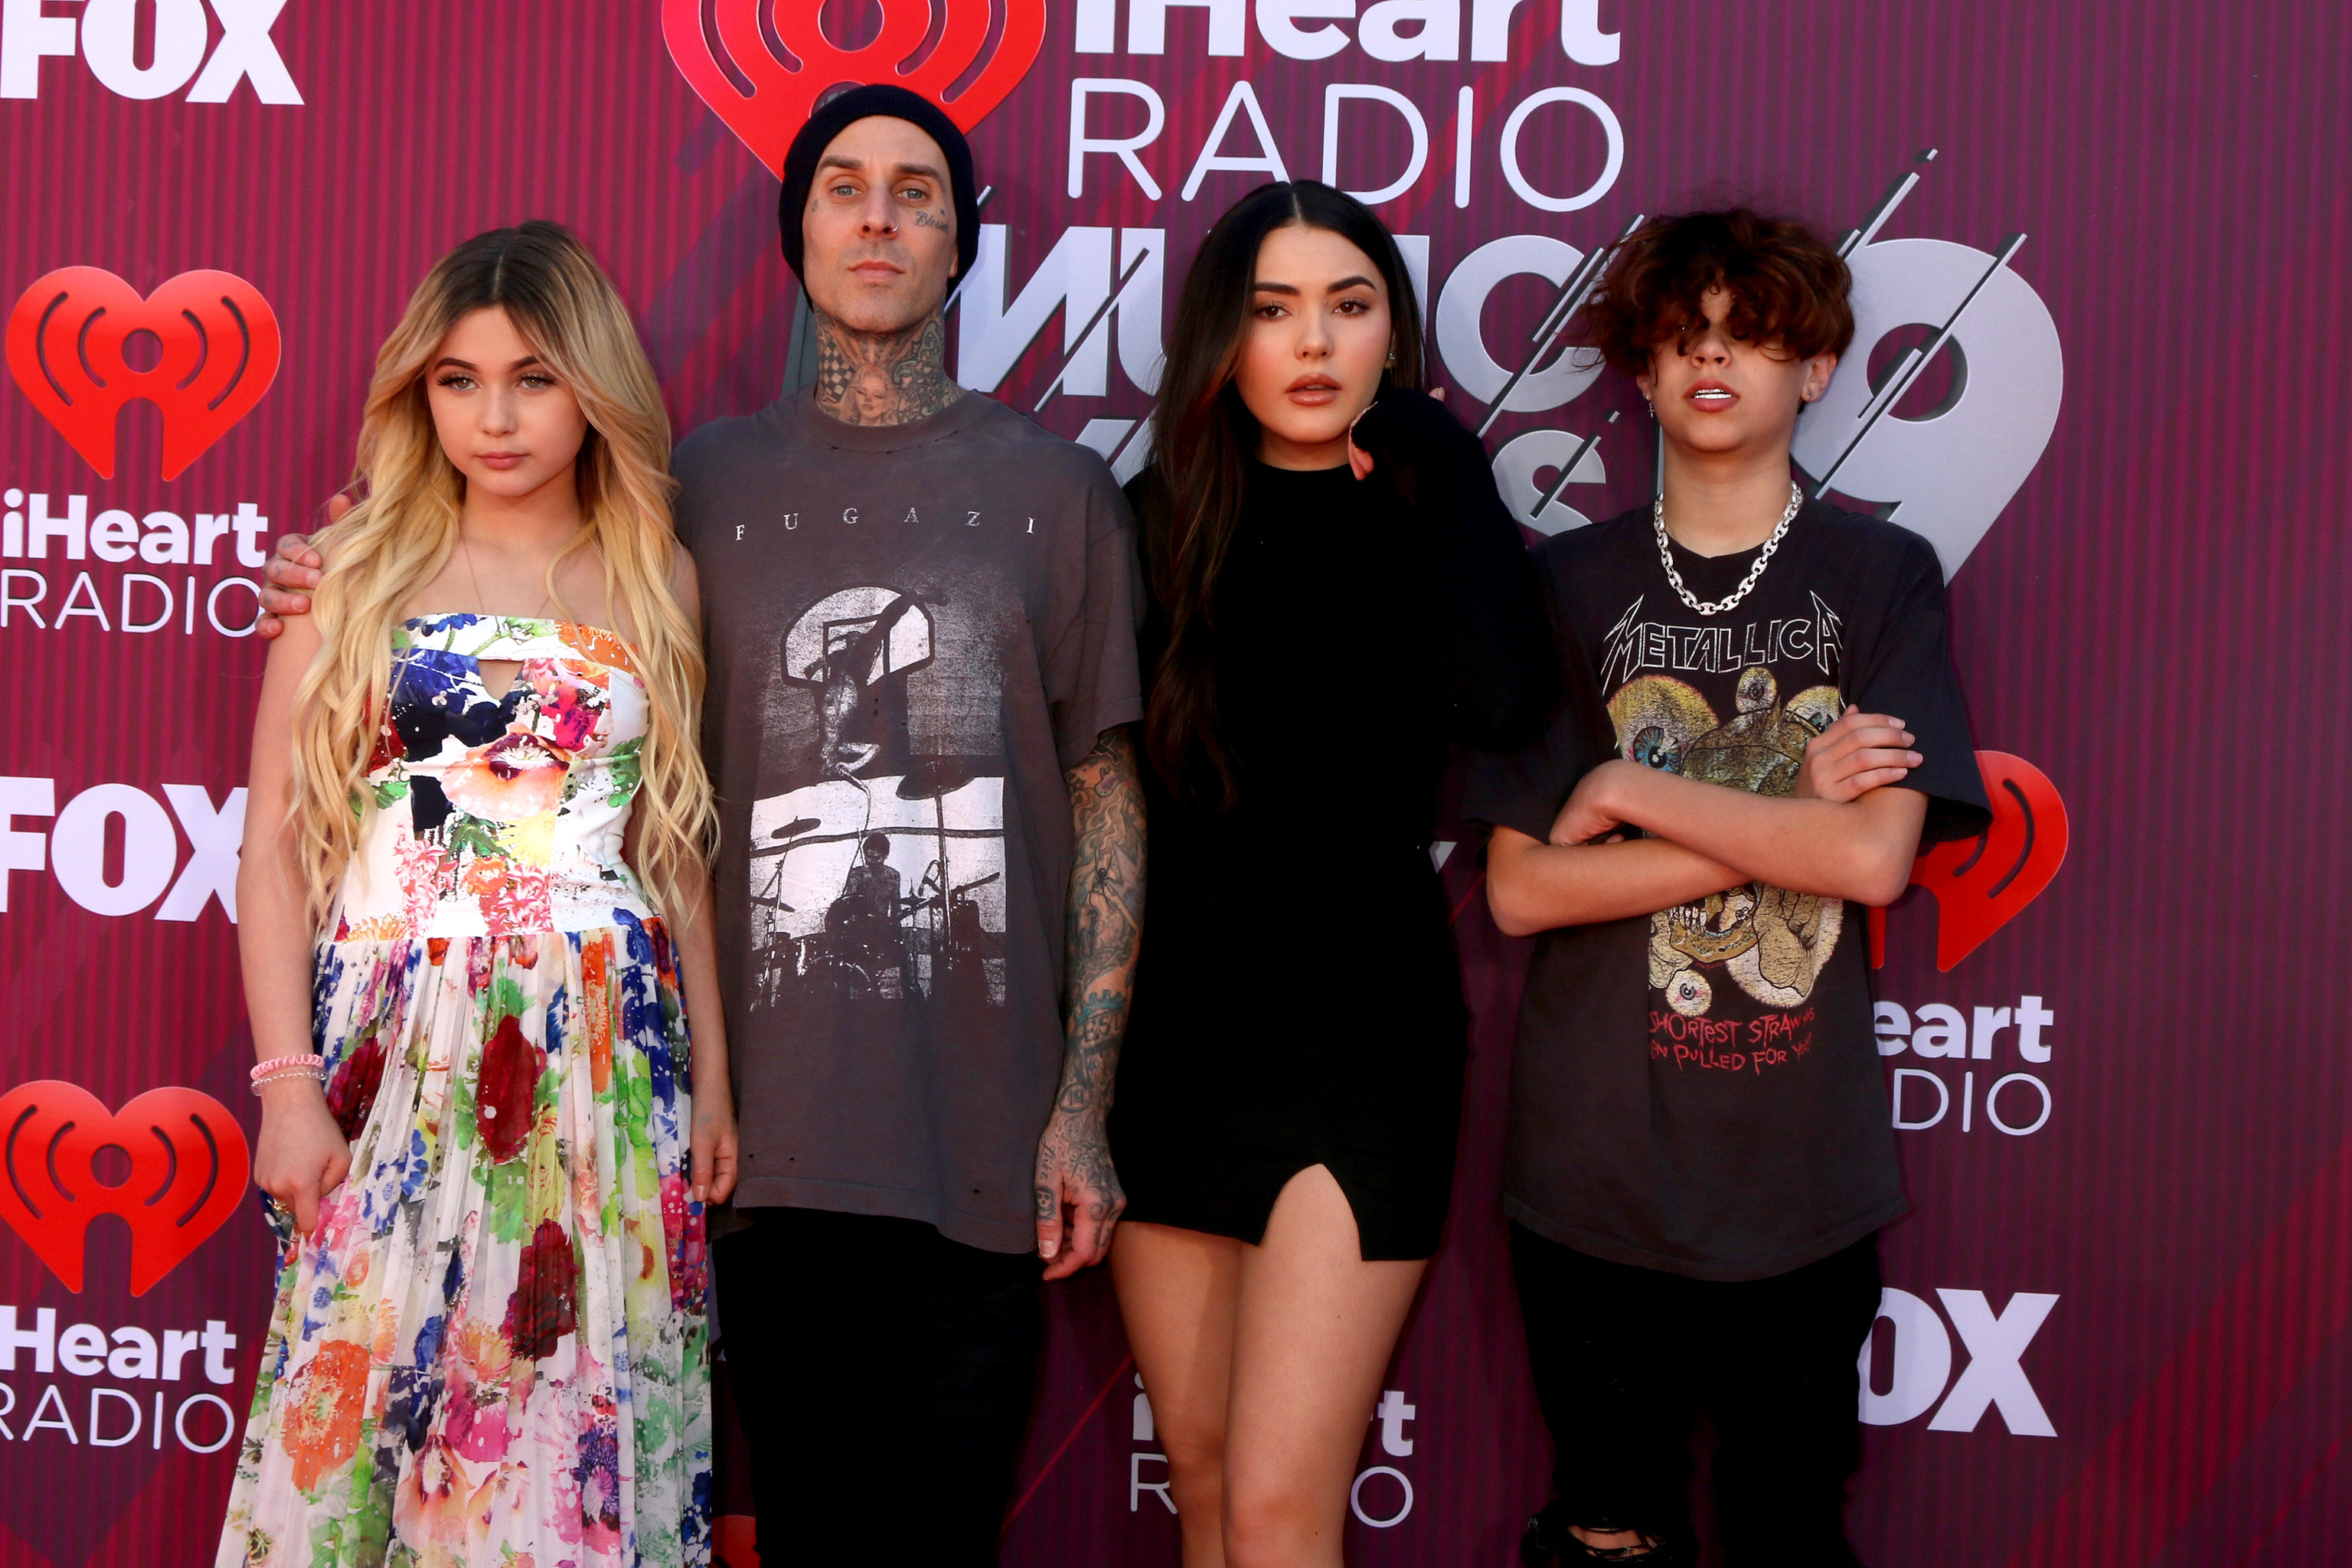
[[1104, 930], [882, 378]]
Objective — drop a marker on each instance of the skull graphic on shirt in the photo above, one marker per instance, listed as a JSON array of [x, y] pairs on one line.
[[1771, 943]]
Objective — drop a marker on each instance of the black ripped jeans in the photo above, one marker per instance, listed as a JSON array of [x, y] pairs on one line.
[[883, 1376], [1626, 1359]]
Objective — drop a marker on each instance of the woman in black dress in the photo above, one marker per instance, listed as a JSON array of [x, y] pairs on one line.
[[1338, 597]]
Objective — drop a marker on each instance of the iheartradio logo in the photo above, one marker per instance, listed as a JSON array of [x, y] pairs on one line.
[[215, 352], [761, 66], [1981, 884], [188, 1164]]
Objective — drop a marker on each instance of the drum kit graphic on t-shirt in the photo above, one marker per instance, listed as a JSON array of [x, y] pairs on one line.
[[879, 875]]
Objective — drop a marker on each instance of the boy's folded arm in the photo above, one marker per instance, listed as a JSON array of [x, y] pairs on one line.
[[1532, 886], [1859, 850]]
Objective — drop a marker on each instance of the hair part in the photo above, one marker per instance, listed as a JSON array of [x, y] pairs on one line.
[[1204, 437], [400, 535], [1789, 291]]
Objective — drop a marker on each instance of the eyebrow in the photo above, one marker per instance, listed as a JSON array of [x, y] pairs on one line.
[[1352, 280], [858, 166], [451, 360]]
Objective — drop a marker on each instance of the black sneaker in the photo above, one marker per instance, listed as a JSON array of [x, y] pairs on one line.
[[1542, 1547]]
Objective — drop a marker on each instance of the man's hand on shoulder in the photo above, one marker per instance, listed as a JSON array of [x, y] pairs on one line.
[[292, 572]]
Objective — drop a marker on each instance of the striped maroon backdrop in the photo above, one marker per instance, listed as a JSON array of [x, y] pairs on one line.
[[2116, 1333]]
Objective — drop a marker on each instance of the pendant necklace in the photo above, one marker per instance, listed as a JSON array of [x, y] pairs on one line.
[[465, 547]]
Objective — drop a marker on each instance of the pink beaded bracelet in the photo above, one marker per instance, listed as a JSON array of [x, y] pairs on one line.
[[276, 1064], [276, 1067]]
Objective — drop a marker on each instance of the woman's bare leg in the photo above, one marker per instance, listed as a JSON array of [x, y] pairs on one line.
[[1312, 1334], [1176, 1292]]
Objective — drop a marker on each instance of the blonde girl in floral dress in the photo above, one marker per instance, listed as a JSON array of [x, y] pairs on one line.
[[476, 795]]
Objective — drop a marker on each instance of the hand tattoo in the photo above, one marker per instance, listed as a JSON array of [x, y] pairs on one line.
[[1074, 1156], [882, 378]]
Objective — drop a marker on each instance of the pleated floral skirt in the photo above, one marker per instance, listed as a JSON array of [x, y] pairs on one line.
[[493, 1352]]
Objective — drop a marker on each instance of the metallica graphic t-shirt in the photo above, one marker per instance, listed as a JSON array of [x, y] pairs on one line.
[[913, 630], [1698, 1090]]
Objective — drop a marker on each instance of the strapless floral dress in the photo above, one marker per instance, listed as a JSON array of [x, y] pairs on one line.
[[493, 1352]]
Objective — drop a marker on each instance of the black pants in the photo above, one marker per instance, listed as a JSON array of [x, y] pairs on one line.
[[1626, 1359], [883, 1376]]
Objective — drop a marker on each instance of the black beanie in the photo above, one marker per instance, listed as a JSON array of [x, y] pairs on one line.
[[896, 103]]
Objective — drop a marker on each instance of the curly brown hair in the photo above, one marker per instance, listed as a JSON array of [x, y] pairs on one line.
[[1788, 290]]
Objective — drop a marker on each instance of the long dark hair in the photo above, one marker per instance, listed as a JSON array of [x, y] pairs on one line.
[[1202, 439]]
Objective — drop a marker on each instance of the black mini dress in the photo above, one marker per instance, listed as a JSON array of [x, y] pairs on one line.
[[1297, 1000]]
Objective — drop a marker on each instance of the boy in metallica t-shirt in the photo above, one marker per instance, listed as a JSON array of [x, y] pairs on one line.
[[1763, 727]]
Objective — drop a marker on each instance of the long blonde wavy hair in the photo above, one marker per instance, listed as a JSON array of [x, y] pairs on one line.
[[401, 534]]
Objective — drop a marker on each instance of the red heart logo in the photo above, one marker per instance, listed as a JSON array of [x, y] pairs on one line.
[[188, 1166], [65, 342], [761, 66], [1979, 884]]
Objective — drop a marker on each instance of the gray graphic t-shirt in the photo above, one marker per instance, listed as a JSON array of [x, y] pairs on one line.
[[913, 630]]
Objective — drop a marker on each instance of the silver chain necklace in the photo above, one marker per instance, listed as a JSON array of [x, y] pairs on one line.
[[1666, 555]]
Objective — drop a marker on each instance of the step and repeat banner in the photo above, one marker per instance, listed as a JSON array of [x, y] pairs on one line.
[[2098, 253]]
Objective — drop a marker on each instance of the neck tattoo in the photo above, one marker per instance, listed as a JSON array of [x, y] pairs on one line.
[[882, 378]]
